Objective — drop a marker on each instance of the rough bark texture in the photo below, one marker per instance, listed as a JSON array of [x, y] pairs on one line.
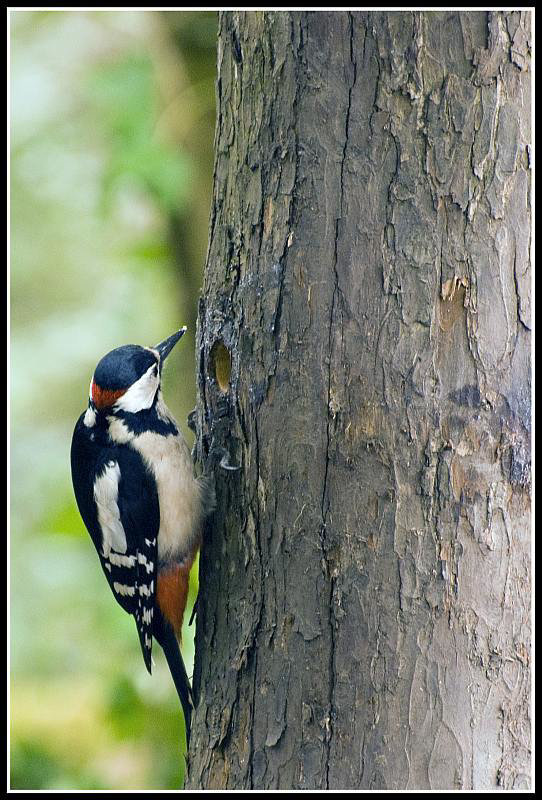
[[365, 586]]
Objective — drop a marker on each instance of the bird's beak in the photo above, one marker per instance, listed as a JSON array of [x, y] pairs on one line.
[[165, 347]]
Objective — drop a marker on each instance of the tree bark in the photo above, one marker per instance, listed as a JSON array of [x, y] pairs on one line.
[[364, 357]]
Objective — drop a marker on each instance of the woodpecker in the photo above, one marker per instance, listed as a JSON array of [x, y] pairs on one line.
[[139, 499]]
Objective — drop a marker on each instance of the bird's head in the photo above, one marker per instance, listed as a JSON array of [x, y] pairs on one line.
[[128, 378]]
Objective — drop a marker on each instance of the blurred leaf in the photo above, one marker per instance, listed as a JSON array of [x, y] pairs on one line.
[[124, 709], [32, 766], [125, 100], [149, 249], [63, 519]]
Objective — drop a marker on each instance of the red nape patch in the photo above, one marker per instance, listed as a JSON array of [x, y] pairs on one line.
[[171, 594], [103, 398]]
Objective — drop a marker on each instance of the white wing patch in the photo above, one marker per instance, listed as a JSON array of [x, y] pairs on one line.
[[106, 493]]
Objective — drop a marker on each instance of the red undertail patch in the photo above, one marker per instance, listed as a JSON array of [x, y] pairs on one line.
[[171, 595]]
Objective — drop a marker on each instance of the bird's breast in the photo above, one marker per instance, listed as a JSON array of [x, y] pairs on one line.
[[179, 494]]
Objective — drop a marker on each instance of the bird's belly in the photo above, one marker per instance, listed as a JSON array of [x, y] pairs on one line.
[[179, 495]]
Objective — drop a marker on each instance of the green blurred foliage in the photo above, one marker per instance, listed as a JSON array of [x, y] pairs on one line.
[[112, 124], [124, 93]]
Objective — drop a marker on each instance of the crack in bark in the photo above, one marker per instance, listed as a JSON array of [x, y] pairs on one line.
[[324, 509], [258, 622], [518, 293]]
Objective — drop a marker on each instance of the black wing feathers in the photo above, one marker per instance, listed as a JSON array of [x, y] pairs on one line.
[[124, 523], [140, 517]]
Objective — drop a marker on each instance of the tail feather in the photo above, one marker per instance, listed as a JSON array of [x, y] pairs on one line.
[[146, 648], [170, 646]]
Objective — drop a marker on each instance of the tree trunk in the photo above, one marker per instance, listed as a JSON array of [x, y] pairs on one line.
[[364, 354]]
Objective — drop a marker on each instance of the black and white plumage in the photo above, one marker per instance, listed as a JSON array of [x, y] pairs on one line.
[[138, 497]]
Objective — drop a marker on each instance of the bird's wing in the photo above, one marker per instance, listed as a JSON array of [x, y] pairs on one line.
[[118, 502], [129, 517]]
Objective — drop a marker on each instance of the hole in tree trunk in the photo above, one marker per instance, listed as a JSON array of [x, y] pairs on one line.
[[221, 365]]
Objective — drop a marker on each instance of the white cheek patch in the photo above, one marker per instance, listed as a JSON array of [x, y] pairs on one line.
[[141, 394], [106, 492]]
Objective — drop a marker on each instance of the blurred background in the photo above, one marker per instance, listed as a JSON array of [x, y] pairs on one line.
[[112, 127]]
